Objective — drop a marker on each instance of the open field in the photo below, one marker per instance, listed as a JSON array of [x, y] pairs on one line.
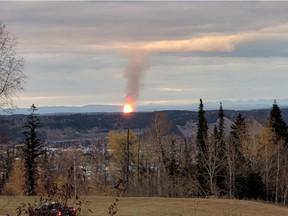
[[143, 206]]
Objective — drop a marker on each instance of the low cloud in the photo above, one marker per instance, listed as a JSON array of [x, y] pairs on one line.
[[207, 44], [216, 43], [170, 89]]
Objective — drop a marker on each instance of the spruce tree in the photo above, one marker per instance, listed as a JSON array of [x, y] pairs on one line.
[[278, 125], [221, 178], [221, 125], [32, 150], [202, 128], [239, 130], [201, 140], [238, 127], [235, 154]]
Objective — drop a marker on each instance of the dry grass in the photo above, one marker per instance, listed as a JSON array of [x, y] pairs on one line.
[[138, 206]]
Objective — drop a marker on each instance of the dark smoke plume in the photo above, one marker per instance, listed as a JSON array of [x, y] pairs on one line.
[[134, 72]]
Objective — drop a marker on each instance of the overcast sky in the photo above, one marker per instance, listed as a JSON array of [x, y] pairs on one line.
[[76, 52]]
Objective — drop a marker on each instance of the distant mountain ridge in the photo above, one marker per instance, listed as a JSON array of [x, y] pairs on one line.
[[71, 109], [88, 124], [228, 105]]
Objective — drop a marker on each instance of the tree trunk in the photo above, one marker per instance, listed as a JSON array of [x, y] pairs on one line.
[[266, 173], [277, 173], [159, 176]]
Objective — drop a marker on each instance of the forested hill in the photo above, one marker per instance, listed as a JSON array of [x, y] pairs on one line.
[[105, 122]]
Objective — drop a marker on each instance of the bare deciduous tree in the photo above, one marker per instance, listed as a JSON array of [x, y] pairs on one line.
[[160, 126], [267, 151], [121, 166], [11, 69], [212, 163]]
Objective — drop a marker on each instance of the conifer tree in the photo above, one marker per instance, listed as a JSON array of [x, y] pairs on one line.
[[31, 151], [201, 140], [239, 131], [202, 128], [278, 125], [221, 178], [235, 156], [238, 127], [221, 125]]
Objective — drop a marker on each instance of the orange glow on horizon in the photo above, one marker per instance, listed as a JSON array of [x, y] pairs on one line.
[[128, 108]]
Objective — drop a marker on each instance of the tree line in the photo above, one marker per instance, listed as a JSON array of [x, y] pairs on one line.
[[242, 163]]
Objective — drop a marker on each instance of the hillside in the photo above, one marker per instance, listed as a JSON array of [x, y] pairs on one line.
[[87, 125]]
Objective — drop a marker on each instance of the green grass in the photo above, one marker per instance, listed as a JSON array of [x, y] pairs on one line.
[[144, 206]]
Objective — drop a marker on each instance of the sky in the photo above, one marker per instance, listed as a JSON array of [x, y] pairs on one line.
[[78, 53]]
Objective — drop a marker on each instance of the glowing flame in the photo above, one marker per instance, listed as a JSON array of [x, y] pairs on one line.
[[128, 108]]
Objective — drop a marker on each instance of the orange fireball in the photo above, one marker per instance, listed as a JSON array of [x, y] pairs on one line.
[[128, 108]]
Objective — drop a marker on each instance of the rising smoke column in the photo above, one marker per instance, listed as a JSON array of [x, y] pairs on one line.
[[138, 57], [134, 72]]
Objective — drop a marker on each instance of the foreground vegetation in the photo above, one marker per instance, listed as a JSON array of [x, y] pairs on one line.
[[162, 206], [236, 160]]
